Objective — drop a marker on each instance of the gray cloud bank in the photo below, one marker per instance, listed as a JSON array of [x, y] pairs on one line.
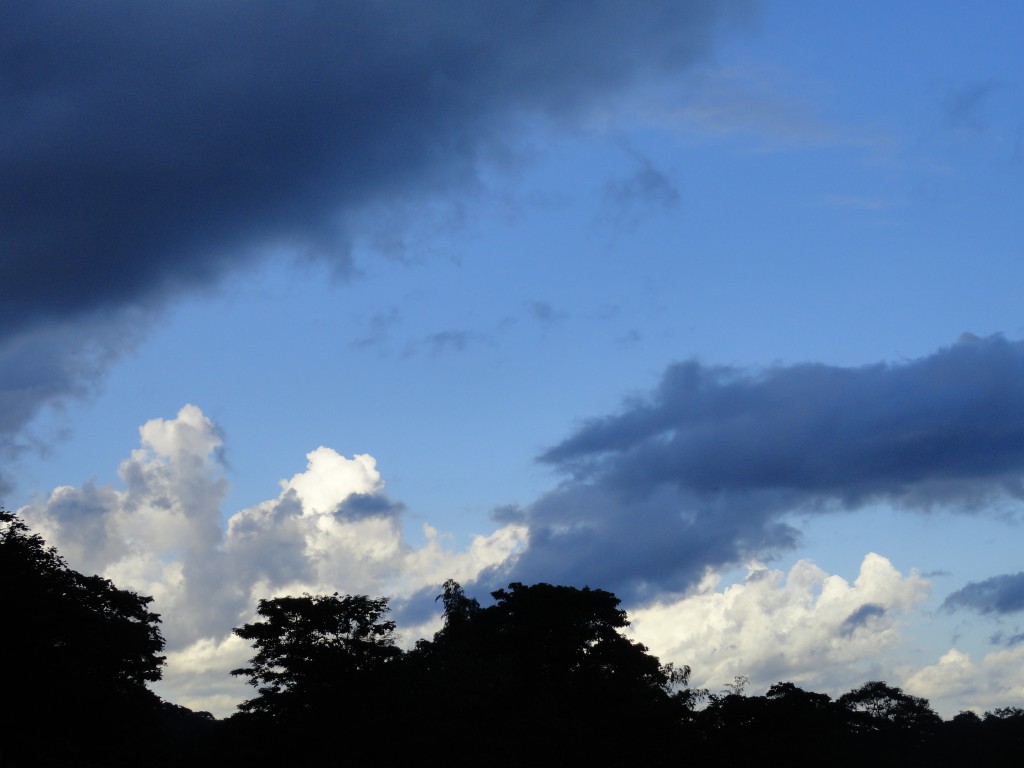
[[706, 469], [999, 594], [148, 148]]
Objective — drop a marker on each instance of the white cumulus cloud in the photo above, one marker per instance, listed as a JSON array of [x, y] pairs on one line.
[[956, 681], [331, 528], [808, 627]]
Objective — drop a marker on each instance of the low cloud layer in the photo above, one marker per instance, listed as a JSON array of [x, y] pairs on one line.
[[706, 469], [333, 527], [957, 681], [147, 149]]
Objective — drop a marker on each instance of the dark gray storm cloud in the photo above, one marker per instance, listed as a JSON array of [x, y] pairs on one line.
[[999, 594], [148, 148], [51, 361], [706, 469]]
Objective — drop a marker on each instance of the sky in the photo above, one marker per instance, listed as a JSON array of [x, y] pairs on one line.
[[713, 305]]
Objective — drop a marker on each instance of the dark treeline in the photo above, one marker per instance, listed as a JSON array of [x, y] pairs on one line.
[[542, 674]]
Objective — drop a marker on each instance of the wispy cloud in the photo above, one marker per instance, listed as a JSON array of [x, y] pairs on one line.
[[964, 106], [379, 331], [443, 342], [858, 202], [753, 104], [545, 314], [627, 198]]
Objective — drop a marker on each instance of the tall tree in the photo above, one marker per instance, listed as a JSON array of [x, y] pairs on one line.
[[314, 651], [878, 706], [322, 665], [78, 652], [883, 718]]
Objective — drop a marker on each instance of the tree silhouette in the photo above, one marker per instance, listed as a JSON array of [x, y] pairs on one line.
[[877, 706], [882, 718], [550, 664], [79, 652], [322, 662], [310, 650]]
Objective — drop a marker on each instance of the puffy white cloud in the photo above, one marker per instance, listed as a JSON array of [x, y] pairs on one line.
[[168, 511], [956, 681], [954, 675], [1004, 677], [329, 479], [809, 627], [190, 437], [331, 528], [198, 676]]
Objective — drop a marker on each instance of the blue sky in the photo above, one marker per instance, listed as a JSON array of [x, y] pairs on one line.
[[674, 301]]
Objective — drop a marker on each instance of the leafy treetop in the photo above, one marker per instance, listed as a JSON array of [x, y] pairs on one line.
[[310, 648]]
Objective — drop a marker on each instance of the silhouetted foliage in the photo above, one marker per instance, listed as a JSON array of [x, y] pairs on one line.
[[321, 662], [875, 724], [879, 707], [309, 649], [458, 608], [550, 664], [1004, 730], [544, 674], [78, 653]]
